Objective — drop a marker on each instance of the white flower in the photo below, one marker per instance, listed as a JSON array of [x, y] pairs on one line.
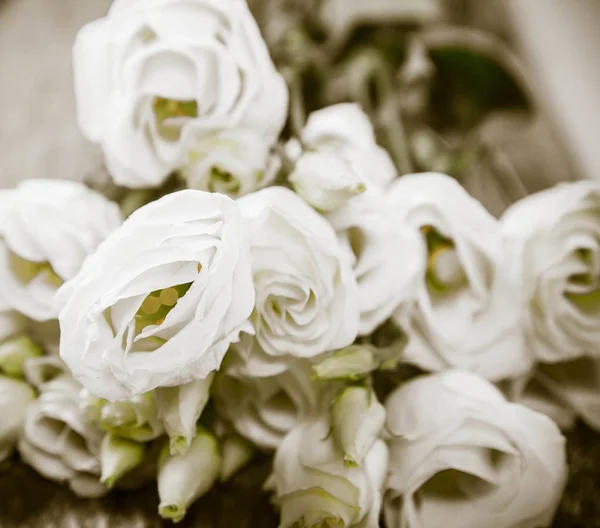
[[314, 488], [59, 443], [15, 395], [232, 161], [326, 180], [184, 478], [47, 229], [387, 256], [553, 250], [460, 455], [149, 71], [263, 401], [306, 293], [346, 130], [466, 312], [161, 300], [565, 391]]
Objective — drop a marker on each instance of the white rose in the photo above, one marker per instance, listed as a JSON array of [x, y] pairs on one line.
[[461, 455], [346, 130], [565, 391], [553, 250], [313, 487], [47, 229], [15, 396], [387, 256], [263, 402], [148, 71], [59, 443], [306, 293], [466, 312], [161, 300], [232, 161]]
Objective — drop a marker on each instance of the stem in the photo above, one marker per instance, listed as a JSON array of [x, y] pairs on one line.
[[391, 119], [297, 109]]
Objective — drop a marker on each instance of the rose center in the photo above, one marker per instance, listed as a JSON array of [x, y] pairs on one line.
[[170, 115], [583, 288], [222, 181], [157, 305], [27, 270], [327, 522], [444, 271]]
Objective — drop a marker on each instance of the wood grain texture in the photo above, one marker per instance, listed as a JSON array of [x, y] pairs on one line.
[[38, 134]]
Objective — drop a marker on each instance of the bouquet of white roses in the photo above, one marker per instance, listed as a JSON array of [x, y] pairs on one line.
[[282, 284]]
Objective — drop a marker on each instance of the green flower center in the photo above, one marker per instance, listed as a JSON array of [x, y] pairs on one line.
[[27, 270], [583, 288], [157, 305], [223, 181], [168, 114], [444, 271]]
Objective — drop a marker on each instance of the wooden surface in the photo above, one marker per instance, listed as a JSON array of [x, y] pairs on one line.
[[38, 134], [29, 501]]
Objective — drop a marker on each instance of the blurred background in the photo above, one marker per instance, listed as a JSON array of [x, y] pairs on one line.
[[502, 94], [556, 41]]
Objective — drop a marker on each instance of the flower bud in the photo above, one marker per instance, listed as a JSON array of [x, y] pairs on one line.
[[326, 180], [117, 457], [14, 352], [134, 419], [349, 363], [179, 409], [184, 478], [236, 453], [314, 488], [357, 419], [14, 398]]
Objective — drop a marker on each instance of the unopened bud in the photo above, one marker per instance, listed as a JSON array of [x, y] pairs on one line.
[[358, 419], [236, 453], [117, 457], [14, 352], [184, 478], [179, 408], [348, 363]]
